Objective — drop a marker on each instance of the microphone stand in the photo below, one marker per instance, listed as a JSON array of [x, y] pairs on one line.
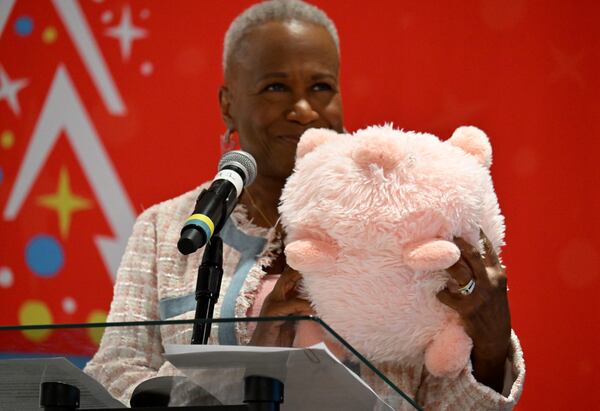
[[260, 393], [208, 288]]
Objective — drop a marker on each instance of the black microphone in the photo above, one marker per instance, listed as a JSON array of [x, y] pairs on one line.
[[237, 169]]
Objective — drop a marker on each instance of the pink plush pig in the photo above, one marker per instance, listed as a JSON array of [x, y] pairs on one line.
[[370, 219]]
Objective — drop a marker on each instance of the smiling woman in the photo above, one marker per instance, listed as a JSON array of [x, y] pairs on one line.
[[281, 70], [281, 80]]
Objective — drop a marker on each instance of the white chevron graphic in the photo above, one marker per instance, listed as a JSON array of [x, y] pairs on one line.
[[5, 9], [75, 23], [63, 110]]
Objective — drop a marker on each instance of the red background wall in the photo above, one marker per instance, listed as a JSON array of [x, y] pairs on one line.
[[524, 71]]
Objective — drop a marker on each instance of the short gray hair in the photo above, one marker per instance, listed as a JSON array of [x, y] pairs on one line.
[[275, 10]]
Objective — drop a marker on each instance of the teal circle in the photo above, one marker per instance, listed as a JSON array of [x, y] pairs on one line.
[[44, 255], [24, 26]]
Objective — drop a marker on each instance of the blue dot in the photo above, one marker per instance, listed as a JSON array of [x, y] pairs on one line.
[[24, 26], [1, 175], [44, 255]]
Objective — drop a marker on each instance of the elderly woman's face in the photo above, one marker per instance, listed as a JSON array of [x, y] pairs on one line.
[[282, 79]]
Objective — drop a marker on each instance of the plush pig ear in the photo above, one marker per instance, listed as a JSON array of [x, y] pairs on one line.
[[431, 255], [312, 138], [473, 141], [377, 150], [310, 254]]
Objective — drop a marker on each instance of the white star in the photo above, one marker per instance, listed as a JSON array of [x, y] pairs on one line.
[[126, 32], [9, 90]]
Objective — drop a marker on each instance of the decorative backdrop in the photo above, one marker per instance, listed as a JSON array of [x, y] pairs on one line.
[[104, 105]]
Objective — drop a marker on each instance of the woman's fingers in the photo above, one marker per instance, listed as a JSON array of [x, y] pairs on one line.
[[285, 287], [291, 306], [490, 257], [470, 266], [461, 275], [473, 259], [282, 301], [494, 268], [450, 298]]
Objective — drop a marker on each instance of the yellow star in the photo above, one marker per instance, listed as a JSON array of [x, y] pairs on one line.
[[64, 202]]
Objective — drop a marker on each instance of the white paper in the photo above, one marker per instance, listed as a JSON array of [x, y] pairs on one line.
[[313, 378]]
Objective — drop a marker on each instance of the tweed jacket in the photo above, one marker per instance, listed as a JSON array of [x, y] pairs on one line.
[[155, 282]]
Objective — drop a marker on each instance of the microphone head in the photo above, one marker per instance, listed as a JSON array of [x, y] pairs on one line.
[[242, 160]]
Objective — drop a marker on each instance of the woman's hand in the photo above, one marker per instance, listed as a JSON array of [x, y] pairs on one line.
[[282, 301], [484, 313]]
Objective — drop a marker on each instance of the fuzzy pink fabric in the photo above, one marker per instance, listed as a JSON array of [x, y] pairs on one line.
[[370, 219]]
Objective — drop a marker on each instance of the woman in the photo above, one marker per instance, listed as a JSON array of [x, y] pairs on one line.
[[281, 67]]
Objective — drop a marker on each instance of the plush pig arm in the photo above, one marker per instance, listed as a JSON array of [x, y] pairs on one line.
[[484, 313], [310, 254], [431, 255]]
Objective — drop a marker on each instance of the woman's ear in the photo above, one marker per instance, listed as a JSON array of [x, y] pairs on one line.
[[225, 104]]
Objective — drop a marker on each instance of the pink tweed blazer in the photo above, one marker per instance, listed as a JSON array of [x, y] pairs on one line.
[[156, 282]]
